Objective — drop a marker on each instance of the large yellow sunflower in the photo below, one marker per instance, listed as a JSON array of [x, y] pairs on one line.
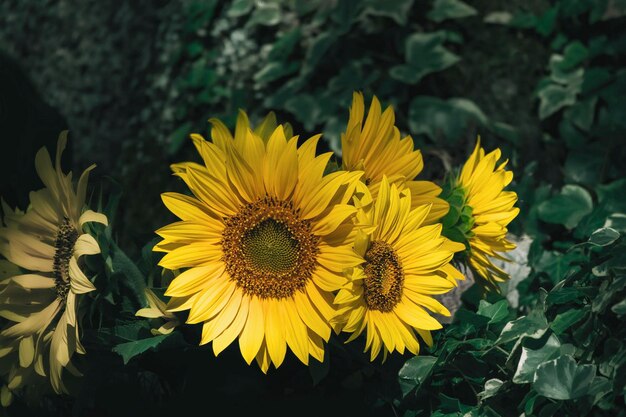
[[46, 243], [376, 147], [264, 241], [406, 263], [482, 183]]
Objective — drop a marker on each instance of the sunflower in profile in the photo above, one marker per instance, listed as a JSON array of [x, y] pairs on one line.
[[484, 212], [406, 262], [376, 147], [263, 242], [41, 301]]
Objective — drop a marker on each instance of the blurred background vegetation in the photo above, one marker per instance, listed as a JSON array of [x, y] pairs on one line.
[[543, 80]]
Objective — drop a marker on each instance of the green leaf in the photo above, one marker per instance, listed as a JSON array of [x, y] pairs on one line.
[[414, 372], [498, 18], [554, 97], [604, 236], [450, 9], [275, 70], [133, 278], [531, 358], [305, 108], [318, 47], [563, 379], [564, 321], [583, 166], [575, 53], [607, 291], [563, 295], [239, 8], [444, 121], [557, 264], [177, 138], [568, 207], [582, 113], [619, 308], [131, 349], [612, 196], [424, 54], [534, 325], [397, 10], [266, 14], [492, 387], [283, 47], [496, 312]]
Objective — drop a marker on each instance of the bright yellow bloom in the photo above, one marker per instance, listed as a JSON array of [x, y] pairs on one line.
[[264, 242], [492, 210], [406, 263], [376, 147], [47, 243]]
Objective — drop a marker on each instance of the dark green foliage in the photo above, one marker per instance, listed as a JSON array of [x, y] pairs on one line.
[[544, 81]]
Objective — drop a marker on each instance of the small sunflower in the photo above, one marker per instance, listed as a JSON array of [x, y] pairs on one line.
[[376, 147], [406, 262], [263, 241], [46, 243], [485, 211]]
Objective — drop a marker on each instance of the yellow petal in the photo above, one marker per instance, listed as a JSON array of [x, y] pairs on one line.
[[253, 332]]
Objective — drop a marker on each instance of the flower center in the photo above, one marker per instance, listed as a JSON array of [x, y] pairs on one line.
[[268, 250], [64, 249], [384, 277]]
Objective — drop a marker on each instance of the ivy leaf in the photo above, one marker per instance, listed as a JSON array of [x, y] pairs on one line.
[[531, 358], [239, 8], [129, 350], [414, 372], [554, 97], [496, 312], [450, 9], [424, 54], [534, 325], [573, 55], [133, 278], [563, 379], [444, 120], [567, 319], [492, 387], [611, 196], [397, 10], [604, 237], [619, 308], [568, 207], [266, 14]]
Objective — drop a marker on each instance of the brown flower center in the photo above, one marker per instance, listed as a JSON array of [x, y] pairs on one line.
[[64, 249], [269, 251], [384, 277]]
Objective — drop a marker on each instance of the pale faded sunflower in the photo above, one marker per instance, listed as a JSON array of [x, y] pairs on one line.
[[406, 262], [263, 241], [375, 146], [486, 212], [42, 302]]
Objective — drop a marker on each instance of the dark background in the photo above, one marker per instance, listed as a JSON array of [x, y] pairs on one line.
[[544, 81]]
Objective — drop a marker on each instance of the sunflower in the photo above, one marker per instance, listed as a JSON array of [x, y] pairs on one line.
[[486, 211], [406, 262], [41, 301], [376, 147], [264, 241]]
